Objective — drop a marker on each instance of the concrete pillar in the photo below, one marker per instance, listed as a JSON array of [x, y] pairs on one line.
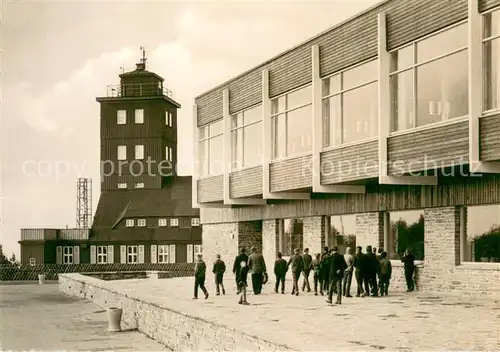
[[370, 230], [221, 239], [314, 233]]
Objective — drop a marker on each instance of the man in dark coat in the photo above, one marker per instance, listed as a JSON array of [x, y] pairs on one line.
[[337, 267], [200, 269], [325, 269], [409, 266], [280, 269], [306, 261], [257, 266], [297, 265], [242, 257], [359, 272], [219, 269], [371, 271]]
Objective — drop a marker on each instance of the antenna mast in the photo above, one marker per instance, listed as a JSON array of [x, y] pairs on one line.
[[84, 203], [143, 60]]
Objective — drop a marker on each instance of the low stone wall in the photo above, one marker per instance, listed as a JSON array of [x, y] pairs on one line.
[[172, 328]]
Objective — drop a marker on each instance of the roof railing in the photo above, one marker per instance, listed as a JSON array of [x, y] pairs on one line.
[[137, 90]]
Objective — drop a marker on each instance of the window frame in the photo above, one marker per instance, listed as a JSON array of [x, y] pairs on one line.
[[132, 254], [207, 140], [130, 223], [68, 258], [139, 185], [164, 255], [141, 223], [242, 128], [139, 149], [168, 153], [162, 222], [484, 42], [414, 69], [174, 222], [103, 254], [121, 185], [124, 149], [197, 249], [195, 222], [32, 261], [139, 121], [121, 120], [285, 112]]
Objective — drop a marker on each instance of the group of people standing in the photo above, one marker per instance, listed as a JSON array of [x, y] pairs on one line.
[[332, 272]]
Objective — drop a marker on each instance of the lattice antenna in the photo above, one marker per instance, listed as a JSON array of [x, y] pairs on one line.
[[84, 203]]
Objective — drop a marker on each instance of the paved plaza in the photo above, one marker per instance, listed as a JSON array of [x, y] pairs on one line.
[[42, 318], [415, 321]]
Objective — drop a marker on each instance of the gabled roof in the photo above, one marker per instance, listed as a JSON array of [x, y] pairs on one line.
[[173, 200]]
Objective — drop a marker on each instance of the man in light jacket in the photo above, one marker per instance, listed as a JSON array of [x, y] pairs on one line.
[[346, 284]]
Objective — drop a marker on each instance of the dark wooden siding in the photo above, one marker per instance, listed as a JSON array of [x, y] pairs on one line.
[[450, 192], [245, 92], [485, 5], [210, 189], [446, 146], [246, 183], [209, 106], [410, 20], [291, 174], [31, 250], [350, 163], [490, 138], [111, 182]]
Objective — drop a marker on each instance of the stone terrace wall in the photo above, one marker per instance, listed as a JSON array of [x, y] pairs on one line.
[[174, 329]]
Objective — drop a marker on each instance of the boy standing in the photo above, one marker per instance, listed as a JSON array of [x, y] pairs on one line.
[[280, 273], [242, 284], [384, 274], [199, 276], [316, 267], [219, 269]]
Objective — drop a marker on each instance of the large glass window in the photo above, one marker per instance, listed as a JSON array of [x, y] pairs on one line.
[[429, 80], [211, 149], [341, 232], [491, 49], [406, 231], [481, 234], [291, 123], [291, 236], [246, 138], [350, 105]]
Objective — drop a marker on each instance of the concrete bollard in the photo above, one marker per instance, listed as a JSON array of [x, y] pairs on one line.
[[114, 319], [41, 279]]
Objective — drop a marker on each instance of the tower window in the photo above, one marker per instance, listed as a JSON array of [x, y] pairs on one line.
[[168, 118], [139, 116], [195, 222], [122, 185], [139, 152], [162, 222], [141, 222], [139, 185], [168, 153], [130, 223], [122, 152], [174, 222], [121, 117]]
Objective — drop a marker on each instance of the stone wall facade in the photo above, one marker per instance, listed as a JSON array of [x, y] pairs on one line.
[[441, 270]]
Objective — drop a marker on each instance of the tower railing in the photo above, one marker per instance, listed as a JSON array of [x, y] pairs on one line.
[[137, 90]]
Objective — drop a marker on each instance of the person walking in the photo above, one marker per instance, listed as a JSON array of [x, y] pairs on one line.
[[200, 269], [280, 269], [325, 269], [346, 283], [360, 268], [297, 265], [371, 271], [257, 265], [242, 257], [318, 280], [408, 260], [306, 261], [219, 269], [337, 268]]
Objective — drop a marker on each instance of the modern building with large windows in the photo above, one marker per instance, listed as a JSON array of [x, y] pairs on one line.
[[383, 130]]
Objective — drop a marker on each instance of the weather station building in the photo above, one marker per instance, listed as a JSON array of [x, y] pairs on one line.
[[144, 213], [383, 130]]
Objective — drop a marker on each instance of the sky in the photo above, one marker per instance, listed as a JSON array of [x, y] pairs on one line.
[[57, 57]]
